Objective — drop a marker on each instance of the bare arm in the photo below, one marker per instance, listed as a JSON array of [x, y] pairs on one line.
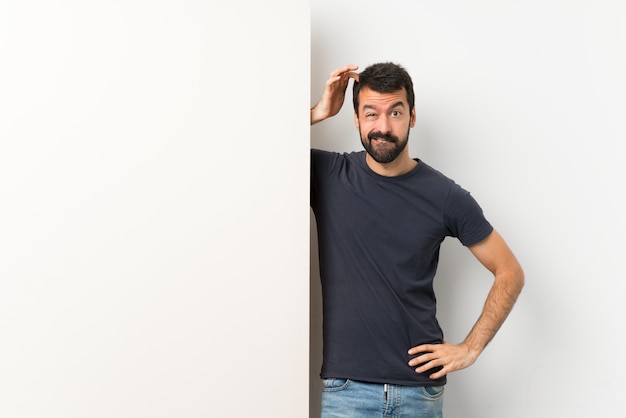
[[334, 94], [496, 256]]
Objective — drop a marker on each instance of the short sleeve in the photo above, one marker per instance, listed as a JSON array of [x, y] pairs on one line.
[[464, 217]]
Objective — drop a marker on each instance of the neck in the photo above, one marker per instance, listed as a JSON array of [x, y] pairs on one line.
[[401, 165]]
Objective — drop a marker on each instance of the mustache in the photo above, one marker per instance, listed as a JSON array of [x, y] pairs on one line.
[[379, 135]]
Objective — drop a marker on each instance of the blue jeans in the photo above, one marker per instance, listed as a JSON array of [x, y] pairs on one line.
[[344, 398]]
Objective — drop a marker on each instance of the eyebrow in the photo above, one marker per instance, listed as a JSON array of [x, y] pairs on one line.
[[373, 107]]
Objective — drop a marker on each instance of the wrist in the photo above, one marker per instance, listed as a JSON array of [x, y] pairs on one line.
[[315, 116], [473, 349]]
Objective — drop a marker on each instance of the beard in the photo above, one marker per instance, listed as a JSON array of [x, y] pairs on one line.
[[384, 152]]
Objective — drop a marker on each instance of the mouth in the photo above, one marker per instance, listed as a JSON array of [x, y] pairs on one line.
[[382, 139]]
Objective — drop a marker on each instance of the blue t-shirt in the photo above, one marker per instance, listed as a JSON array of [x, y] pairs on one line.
[[379, 240]]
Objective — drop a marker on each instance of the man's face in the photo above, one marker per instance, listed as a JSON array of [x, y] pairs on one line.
[[384, 121]]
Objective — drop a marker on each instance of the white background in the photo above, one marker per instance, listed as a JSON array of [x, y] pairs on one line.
[[154, 208], [524, 104]]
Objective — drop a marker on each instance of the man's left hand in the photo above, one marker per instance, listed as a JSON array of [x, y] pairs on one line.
[[449, 357]]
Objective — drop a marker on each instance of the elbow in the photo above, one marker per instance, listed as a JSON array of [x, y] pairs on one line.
[[520, 278], [511, 279]]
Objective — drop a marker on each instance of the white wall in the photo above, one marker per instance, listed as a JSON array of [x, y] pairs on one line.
[[523, 104], [154, 211]]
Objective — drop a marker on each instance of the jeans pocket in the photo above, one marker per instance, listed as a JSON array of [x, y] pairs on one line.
[[433, 392], [334, 385]]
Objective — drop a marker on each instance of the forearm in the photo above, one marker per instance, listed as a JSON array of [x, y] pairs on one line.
[[316, 116], [451, 357], [322, 111], [502, 296], [494, 254]]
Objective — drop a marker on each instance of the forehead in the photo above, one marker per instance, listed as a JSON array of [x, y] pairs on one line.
[[369, 97]]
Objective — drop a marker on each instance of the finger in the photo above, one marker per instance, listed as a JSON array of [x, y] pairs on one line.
[[439, 374], [351, 75], [421, 349], [422, 359], [429, 364], [345, 69], [340, 82], [333, 80], [344, 77]]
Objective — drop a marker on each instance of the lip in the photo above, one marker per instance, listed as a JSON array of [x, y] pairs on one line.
[[381, 141]]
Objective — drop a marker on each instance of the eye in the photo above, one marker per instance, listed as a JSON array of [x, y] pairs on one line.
[[370, 115], [396, 113]]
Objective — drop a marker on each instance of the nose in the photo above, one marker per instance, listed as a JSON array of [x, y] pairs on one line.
[[384, 124]]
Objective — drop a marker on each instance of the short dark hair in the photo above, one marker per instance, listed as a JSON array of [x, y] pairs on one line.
[[385, 77]]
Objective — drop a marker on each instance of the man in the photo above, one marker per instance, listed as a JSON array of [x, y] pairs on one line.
[[381, 217]]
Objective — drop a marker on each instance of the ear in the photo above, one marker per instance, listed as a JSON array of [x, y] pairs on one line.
[[356, 121], [413, 118]]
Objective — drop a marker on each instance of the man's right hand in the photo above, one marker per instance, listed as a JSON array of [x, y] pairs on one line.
[[334, 94]]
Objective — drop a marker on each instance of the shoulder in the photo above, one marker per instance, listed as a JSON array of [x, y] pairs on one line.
[[327, 160], [320, 153], [432, 173], [435, 181]]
